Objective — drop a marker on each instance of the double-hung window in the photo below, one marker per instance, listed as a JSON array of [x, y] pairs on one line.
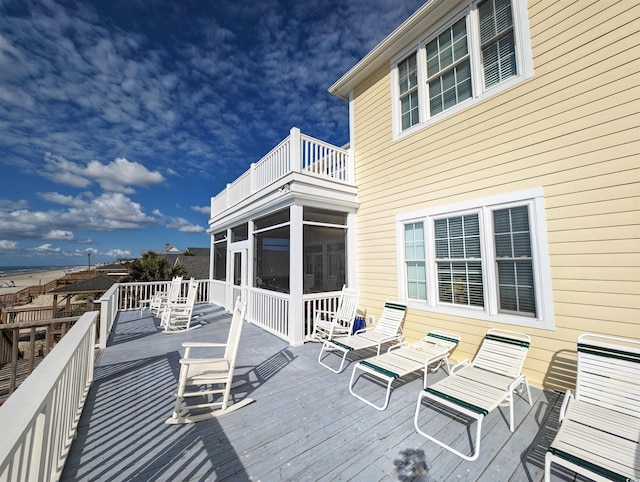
[[484, 259], [408, 72], [461, 60]]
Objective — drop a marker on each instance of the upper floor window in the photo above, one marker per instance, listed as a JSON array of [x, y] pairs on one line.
[[484, 259], [484, 46], [408, 80]]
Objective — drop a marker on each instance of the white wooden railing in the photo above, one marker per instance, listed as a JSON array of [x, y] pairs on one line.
[[38, 421], [270, 311], [297, 153], [327, 302], [128, 296]]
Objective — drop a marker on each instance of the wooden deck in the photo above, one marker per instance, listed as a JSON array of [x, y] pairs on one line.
[[303, 425]]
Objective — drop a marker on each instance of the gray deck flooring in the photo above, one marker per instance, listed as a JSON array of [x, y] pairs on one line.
[[303, 424]]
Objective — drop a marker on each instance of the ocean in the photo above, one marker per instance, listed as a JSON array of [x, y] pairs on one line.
[[9, 270]]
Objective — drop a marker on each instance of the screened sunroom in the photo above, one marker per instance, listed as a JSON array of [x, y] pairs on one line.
[[286, 244]]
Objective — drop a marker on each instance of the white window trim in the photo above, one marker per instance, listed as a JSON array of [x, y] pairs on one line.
[[539, 245], [524, 60]]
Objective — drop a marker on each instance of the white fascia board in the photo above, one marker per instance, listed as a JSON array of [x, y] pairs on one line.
[[408, 32]]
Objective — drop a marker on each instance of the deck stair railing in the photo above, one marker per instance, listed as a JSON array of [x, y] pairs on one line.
[[297, 153]]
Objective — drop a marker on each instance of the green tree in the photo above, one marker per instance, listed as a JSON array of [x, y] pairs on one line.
[[152, 267]]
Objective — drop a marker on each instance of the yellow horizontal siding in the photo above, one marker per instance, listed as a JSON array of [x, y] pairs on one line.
[[572, 129]]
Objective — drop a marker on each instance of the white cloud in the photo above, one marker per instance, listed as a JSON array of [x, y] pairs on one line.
[[202, 209], [121, 173], [184, 226], [118, 175], [47, 248], [6, 245], [13, 204], [59, 234], [106, 212], [118, 253]]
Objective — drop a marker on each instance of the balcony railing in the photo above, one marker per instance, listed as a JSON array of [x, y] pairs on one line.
[[40, 418], [298, 153]]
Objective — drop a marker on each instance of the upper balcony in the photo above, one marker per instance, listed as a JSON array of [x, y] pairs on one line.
[[300, 154]]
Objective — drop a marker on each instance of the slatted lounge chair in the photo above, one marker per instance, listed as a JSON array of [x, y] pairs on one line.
[[209, 377], [387, 330], [328, 324], [176, 316], [599, 434], [477, 388], [405, 358]]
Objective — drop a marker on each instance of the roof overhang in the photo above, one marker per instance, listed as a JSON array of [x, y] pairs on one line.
[[295, 188], [409, 32]]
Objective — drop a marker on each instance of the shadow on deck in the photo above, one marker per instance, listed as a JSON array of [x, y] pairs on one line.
[[304, 424]]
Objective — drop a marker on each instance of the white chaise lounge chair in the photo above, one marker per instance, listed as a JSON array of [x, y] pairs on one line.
[[176, 316], [210, 377], [477, 388], [387, 330], [405, 358], [332, 324], [599, 434]]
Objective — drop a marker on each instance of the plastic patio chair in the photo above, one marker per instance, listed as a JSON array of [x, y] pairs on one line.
[[388, 329], [403, 359], [599, 434], [477, 388]]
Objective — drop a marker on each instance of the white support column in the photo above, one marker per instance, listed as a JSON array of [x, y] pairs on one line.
[[250, 269], [296, 285], [296, 150], [351, 165], [352, 252]]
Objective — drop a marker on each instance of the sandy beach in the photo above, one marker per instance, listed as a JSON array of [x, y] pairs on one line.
[[34, 278]]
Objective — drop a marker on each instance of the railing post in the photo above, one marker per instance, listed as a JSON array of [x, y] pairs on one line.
[[296, 150], [252, 178], [105, 309]]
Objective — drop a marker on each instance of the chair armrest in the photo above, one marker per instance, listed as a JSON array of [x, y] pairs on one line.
[[201, 361], [201, 344], [565, 403], [397, 345], [328, 313], [458, 366]]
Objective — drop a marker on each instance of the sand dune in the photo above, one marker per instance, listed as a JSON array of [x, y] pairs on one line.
[[34, 278]]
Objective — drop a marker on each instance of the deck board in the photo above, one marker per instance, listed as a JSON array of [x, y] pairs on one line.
[[303, 424]]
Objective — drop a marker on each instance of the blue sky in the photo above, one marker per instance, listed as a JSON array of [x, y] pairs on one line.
[[120, 119]]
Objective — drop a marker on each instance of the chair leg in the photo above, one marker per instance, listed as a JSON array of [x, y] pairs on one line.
[[547, 467], [387, 394], [478, 417], [325, 345], [182, 381]]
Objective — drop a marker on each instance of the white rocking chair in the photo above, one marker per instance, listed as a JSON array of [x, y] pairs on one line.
[[162, 298], [210, 376], [331, 324], [176, 316]]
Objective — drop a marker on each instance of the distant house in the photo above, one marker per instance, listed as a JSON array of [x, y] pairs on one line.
[[114, 269], [168, 249], [492, 180], [194, 260]]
